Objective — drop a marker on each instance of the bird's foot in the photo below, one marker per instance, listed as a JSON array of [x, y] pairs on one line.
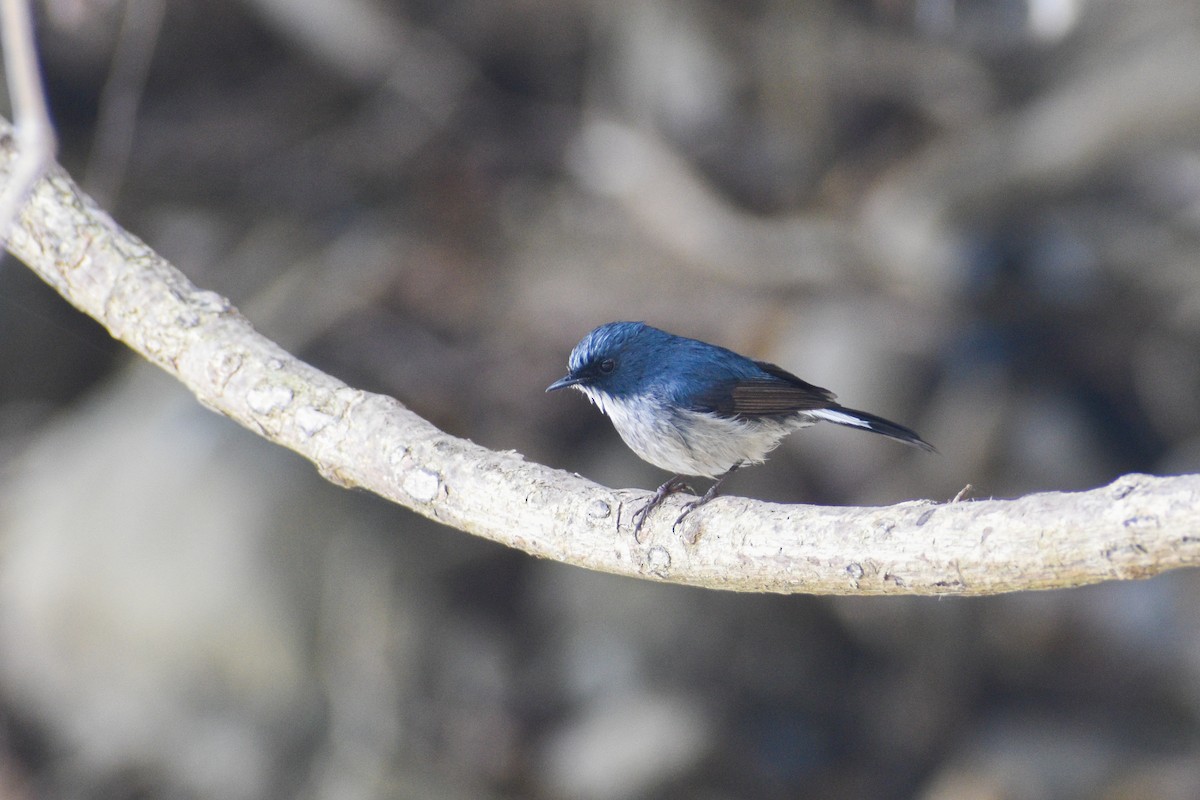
[[709, 495], [674, 485], [693, 505]]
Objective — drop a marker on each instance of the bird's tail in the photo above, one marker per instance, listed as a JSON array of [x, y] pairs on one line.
[[869, 422]]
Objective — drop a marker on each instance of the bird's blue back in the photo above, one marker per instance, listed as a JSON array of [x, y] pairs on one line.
[[681, 371]]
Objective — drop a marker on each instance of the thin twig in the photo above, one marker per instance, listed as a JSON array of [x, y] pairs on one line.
[[34, 134]]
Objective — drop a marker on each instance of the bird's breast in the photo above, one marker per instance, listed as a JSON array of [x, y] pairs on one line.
[[689, 442]]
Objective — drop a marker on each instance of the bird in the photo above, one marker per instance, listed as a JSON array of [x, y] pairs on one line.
[[697, 409]]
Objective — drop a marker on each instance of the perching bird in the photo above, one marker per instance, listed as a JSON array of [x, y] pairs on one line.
[[694, 408]]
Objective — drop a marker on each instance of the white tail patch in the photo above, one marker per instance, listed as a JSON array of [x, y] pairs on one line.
[[840, 417]]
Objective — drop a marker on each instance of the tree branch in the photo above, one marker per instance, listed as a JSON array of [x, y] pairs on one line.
[[1137, 527]]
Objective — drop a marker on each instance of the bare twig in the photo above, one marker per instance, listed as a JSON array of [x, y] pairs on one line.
[[34, 133], [1137, 527]]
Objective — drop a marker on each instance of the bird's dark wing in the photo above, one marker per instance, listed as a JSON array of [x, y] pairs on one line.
[[773, 392]]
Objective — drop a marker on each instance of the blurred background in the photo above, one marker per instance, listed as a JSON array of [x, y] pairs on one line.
[[978, 218]]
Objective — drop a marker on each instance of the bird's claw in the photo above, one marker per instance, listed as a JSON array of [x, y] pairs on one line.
[[687, 509], [709, 495], [690, 507], [669, 488]]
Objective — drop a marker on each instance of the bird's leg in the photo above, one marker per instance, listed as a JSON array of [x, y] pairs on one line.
[[709, 495], [675, 484]]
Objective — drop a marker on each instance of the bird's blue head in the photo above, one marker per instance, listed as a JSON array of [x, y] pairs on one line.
[[614, 359]]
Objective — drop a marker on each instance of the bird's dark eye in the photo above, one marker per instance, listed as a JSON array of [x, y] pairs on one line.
[[607, 366]]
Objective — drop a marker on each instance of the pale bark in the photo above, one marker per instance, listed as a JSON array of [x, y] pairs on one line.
[[1137, 527]]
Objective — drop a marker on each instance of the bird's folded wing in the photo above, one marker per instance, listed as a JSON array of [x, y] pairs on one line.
[[777, 392]]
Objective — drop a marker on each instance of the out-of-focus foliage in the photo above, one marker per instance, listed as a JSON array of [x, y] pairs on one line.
[[979, 218]]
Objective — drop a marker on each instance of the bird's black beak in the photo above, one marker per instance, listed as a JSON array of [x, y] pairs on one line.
[[563, 383]]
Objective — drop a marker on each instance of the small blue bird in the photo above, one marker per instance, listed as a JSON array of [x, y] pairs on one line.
[[694, 408]]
